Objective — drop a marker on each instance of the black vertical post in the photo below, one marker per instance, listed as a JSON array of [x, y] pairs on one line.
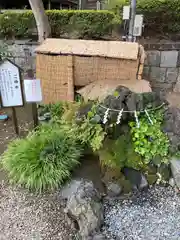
[[30, 75], [15, 121], [35, 114]]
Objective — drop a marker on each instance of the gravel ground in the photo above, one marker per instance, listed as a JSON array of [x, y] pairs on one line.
[[25, 216], [151, 215]]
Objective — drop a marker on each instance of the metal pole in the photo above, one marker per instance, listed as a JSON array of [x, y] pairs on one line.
[[132, 19]]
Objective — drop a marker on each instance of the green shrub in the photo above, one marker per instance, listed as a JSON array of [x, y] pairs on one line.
[[43, 160], [120, 153], [91, 134], [149, 140], [4, 53], [56, 110], [88, 132], [16, 25], [79, 23], [161, 16]]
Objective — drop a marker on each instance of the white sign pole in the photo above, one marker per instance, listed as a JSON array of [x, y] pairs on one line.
[[33, 94], [32, 90]]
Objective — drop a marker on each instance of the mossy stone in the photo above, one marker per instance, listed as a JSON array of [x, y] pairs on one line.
[[150, 169], [125, 184], [110, 174], [151, 178], [164, 170]]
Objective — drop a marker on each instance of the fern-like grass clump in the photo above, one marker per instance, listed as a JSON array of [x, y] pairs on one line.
[[43, 160]]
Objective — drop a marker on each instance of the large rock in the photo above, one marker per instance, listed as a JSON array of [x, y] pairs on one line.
[[123, 98], [84, 207], [136, 178], [175, 168], [113, 189], [172, 127], [97, 236]]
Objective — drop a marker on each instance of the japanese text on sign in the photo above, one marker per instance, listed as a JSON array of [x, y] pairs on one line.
[[10, 87]]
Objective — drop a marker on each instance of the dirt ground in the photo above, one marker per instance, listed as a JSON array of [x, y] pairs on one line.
[[7, 133]]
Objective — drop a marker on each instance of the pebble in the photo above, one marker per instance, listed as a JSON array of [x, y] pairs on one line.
[[150, 215]]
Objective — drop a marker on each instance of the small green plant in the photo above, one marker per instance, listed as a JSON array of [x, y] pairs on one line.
[[88, 134], [4, 52], [55, 109], [84, 128], [43, 160], [91, 134], [120, 153], [149, 140]]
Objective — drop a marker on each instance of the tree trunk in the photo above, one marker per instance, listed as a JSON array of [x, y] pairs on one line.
[[41, 18]]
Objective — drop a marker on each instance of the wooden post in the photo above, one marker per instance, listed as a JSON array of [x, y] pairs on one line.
[[49, 4], [15, 121], [30, 75], [35, 114]]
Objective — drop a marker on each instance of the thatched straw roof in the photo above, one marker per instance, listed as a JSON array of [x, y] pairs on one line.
[[100, 90], [111, 49]]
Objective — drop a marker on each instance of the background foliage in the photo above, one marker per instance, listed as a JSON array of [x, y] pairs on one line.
[[76, 23], [161, 16]]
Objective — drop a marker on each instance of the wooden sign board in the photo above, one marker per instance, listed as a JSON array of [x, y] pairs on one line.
[[10, 84], [10, 88]]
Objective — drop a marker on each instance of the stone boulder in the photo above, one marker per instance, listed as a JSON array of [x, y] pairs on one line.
[[113, 189], [172, 127], [124, 98], [84, 207], [137, 179], [97, 236], [175, 168]]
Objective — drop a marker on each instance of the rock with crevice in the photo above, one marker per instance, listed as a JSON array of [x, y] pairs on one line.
[[171, 126], [123, 98], [175, 169], [85, 208], [137, 179]]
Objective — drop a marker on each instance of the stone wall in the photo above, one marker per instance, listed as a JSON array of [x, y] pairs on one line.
[[162, 66], [21, 53]]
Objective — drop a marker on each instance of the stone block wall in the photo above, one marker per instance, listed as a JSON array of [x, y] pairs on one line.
[[162, 66], [21, 53]]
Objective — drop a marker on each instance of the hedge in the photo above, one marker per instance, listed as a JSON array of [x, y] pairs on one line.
[[78, 23], [161, 16]]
